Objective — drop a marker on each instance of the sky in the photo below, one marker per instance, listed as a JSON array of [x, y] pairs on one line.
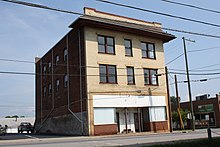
[[26, 33]]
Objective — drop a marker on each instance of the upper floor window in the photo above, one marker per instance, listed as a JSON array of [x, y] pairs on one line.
[[150, 77], [106, 45], [57, 60], [65, 81], [128, 47], [49, 66], [130, 75], [45, 91], [148, 50], [107, 74], [49, 89], [44, 69], [57, 85], [65, 55]]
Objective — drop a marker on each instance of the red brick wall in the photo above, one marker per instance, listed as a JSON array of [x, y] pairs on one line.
[[108, 129], [61, 97], [157, 126]]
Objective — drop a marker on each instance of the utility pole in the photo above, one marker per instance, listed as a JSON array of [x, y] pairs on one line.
[[178, 103], [188, 80], [169, 101]]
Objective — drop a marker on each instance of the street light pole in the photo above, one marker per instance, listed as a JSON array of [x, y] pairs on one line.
[[189, 87]]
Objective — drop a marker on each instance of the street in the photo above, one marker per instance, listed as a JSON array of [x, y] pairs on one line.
[[137, 139]]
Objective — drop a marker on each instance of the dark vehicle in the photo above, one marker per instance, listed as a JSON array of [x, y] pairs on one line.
[[2, 130], [25, 126]]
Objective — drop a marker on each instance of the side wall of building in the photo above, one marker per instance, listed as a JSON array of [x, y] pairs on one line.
[[62, 110]]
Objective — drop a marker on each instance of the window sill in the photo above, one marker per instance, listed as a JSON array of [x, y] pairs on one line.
[[150, 85], [149, 58], [107, 53], [107, 83]]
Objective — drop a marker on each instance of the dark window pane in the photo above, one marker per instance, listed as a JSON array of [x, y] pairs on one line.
[[110, 49], [151, 47], [101, 49], [128, 52], [112, 79], [110, 41], [144, 53], [102, 69], [111, 70], [101, 40], [127, 43], [103, 79], [143, 46]]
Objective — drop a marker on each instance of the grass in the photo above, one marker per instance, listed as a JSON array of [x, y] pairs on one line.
[[215, 142]]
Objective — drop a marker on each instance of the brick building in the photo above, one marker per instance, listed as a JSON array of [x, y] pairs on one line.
[[206, 111], [100, 78]]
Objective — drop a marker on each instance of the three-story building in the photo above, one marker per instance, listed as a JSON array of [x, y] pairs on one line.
[[101, 78]]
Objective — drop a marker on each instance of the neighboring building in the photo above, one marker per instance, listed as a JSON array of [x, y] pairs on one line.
[[100, 78], [206, 111]]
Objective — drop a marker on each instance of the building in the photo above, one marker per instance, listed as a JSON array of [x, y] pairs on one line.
[[206, 111], [100, 78]]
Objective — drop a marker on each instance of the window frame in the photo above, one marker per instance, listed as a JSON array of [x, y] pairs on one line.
[[148, 51], [107, 75], [130, 75], [150, 77], [106, 44], [128, 48]]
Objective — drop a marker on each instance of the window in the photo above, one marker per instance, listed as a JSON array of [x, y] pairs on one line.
[[45, 91], [157, 113], [57, 85], [65, 81], [150, 77], [128, 47], [50, 89], [49, 65], [57, 60], [106, 45], [148, 50], [45, 69], [65, 55], [107, 73], [130, 75]]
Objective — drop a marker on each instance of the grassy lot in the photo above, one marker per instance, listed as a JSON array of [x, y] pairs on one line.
[[215, 142]]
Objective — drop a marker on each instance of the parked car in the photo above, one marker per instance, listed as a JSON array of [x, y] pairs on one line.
[[25, 126], [2, 130]]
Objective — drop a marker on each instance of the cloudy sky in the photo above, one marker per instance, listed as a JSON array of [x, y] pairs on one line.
[[27, 32]]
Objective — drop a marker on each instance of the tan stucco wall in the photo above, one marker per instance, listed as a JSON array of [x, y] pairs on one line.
[[93, 59]]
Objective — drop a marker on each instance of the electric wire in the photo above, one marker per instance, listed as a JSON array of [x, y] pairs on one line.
[[40, 6], [191, 6], [76, 13], [159, 13]]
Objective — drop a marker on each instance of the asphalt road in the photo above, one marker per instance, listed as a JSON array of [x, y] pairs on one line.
[[137, 139]]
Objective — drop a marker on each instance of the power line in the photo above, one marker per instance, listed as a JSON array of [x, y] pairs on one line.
[[191, 6], [40, 6], [160, 13], [175, 59], [191, 51], [76, 13], [196, 74]]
